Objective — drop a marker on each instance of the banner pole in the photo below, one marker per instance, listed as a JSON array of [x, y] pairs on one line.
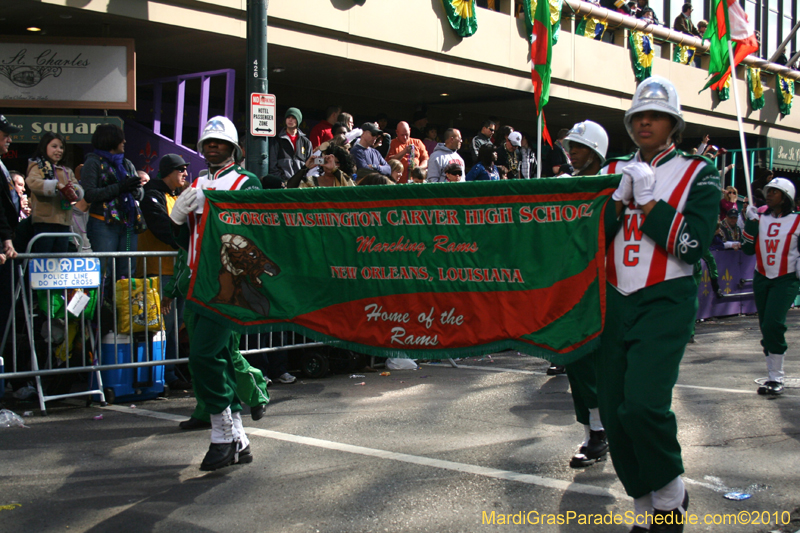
[[745, 162], [539, 148]]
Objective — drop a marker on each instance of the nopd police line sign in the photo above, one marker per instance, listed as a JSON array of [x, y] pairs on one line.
[[64, 273]]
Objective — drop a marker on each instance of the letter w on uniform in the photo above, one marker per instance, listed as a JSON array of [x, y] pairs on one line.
[[631, 227]]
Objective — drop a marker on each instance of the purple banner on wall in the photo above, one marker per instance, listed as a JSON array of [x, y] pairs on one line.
[[733, 267]]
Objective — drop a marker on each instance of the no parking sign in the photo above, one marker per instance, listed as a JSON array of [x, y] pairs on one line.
[[262, 119]]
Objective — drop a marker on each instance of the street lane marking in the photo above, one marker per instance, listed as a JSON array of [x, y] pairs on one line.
[[534, 373], [506, 475]]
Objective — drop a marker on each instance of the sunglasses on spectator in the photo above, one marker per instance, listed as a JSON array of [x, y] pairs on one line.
[[181, 169], [456, 173], [492, 130]]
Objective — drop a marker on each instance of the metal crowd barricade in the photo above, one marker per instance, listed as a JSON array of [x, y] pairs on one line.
[[44, 358]]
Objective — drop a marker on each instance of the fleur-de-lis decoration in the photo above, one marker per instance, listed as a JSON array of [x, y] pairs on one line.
[[727, 278], [149, 154]]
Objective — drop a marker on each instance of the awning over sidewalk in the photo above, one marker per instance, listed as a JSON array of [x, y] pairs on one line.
[[786, 155]]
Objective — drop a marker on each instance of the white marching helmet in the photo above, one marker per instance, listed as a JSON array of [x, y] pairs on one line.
[[590, 134], [221, 128], [783, 185], [656, 94]]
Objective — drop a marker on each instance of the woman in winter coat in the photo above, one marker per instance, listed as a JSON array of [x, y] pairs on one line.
[[54, 190]]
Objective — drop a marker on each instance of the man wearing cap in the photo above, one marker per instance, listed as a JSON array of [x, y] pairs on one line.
[[9, 218], [211, 343], [364, 155], [443, 155], [159, 197], [508, 154], [289, 151]]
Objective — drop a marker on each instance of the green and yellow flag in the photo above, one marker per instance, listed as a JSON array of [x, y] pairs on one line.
[[784, 89], [461, 16], [724, 91], [640, 44], [529, 10], [591, 27], [682, 54], [755, 90], [428, 272]]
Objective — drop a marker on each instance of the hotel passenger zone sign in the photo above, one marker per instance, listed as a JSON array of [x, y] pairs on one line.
[[67, 73]]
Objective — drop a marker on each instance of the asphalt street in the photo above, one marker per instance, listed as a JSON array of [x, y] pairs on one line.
[[437, 449]]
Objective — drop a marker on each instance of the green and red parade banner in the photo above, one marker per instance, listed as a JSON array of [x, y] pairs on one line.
[[431, 271]]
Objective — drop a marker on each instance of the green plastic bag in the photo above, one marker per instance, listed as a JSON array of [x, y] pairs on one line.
[[58, 306]]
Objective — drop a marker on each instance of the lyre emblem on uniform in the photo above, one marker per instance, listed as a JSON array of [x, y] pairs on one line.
[[684, 243]]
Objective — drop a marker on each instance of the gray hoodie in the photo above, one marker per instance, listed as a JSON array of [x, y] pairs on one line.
[[440, 158]]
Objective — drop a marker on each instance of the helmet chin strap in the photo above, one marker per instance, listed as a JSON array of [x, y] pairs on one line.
[[586, 165]]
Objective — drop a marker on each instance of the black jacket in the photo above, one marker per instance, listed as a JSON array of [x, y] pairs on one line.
[[154, 210], [9, 214], [284, 160]]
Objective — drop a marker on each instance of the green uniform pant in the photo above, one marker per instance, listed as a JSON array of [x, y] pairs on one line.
[[582, 375], [640, 351], [774, 297], [251, 387], [211, 352]]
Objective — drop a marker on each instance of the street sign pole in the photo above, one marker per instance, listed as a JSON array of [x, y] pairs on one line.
[[256, 147]]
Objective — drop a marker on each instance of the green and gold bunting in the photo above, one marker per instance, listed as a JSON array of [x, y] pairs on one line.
[[641, 48], [529, 10], [424, 272], [784, 89], [755, 90], [591, 27], [461, 16], [724, 91], [682, 54]]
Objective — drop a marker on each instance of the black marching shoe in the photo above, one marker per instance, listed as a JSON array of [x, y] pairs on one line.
[[219, 456], [671, 521], [771, 388], [193, 424], [257, 412], [245, 457], [596, 450], [556, 370]]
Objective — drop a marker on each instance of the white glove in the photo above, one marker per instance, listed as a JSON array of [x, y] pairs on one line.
[[185, 204], [644, 182], [624, 192], [751, 213]]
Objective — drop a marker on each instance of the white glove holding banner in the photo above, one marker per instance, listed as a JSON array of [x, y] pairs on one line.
[[751, 213], [186, 203], [624, 192], [644, 182]]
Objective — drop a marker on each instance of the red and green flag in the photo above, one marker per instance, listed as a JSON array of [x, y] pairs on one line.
[[445, 270], [729, 23], [541, 54]]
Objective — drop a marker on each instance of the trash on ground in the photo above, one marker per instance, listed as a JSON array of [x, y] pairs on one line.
[[10, 419], [354, 376], [98, 417], [133, 406], [362, 383], [386, 373], [737, 496], [27, 413]]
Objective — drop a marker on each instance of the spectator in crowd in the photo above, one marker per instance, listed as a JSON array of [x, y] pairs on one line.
[[336, 171], [508, 154], [702, 26], [112, 187], [485, 169], [339, 131], [410, 152], [773, 236], [19, 184], [383, 121], [729, 234], [482, 137], [502, 172], [9, 220], [453, 173], [364, 155], [159, 198], [527, 158], [322, 131], [729, 197], [397, 170], [54, 190], [683, 22], [290, 149], [346, 119], [375, 179], [418, 175], [644, 11], [558, 156], [445, 153], [418, 125], [431, 138]]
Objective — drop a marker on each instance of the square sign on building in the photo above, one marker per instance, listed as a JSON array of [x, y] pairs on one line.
[[262, 120]]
